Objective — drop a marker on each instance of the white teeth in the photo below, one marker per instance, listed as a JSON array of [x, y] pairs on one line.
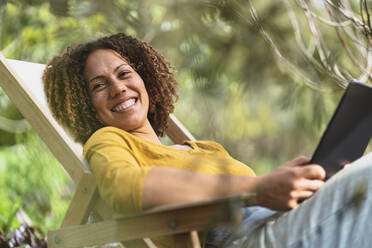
[[125, 105]]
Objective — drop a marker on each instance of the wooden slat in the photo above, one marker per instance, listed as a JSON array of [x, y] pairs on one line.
[[149, 243], [161, 221], [85, 197], [176, 131], [194, 238], [44, 124]]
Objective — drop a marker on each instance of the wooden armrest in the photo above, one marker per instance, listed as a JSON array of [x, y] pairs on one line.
[[160, 221], [229, 203]]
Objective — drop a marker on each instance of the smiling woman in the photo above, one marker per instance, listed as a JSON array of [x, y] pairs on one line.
[[117, 92], [115, 95]]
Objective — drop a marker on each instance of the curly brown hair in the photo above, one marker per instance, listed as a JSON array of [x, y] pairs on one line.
[[67, 91]]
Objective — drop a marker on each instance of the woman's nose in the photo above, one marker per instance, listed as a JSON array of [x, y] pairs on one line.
[[117, 87]]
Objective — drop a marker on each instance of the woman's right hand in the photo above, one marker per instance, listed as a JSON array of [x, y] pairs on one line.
[[283, 188]]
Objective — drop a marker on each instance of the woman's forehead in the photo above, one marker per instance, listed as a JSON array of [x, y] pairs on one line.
[[103, 61]]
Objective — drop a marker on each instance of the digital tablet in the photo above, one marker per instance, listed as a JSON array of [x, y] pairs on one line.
[[349, 131]]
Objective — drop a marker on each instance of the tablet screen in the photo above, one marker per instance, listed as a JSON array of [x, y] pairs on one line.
[[349, 130]]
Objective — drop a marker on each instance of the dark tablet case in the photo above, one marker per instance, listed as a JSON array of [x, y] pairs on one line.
[[349, 131]]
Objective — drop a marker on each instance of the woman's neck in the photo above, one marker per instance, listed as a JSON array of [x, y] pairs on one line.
[[146, 132], [150, 137]]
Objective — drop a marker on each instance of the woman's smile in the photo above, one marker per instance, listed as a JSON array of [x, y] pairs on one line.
[[124, 106]]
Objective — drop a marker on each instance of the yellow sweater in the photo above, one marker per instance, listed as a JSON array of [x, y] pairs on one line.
[[121, 161]]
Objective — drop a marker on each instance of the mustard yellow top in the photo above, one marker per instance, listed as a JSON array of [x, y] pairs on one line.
[[121, 161]]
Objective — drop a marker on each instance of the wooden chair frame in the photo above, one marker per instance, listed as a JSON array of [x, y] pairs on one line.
[[105, 226]]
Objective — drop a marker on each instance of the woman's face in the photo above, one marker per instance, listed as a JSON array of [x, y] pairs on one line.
[[118, 93]]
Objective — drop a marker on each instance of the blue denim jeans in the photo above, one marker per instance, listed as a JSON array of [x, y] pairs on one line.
[[338, 215]]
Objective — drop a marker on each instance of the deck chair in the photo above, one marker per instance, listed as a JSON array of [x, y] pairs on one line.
[[89, 220]]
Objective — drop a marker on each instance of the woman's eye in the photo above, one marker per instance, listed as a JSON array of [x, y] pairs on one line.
[[98, 85], [123, 74]]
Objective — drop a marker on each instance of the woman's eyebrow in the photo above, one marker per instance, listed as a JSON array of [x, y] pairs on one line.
[[101, 76], [118, 67]]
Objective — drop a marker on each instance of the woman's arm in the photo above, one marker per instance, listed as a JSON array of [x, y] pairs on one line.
[[279, 190]]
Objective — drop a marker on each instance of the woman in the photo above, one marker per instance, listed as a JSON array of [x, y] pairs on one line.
[[115, 94]]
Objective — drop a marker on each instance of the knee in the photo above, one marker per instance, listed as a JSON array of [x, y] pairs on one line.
[[357, 170], [357, 179]]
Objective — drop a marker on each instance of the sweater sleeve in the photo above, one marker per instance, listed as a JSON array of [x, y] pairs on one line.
[[119, 176]]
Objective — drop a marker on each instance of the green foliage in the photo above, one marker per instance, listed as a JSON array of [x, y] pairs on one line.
[[8, 224], [233, 88], [31, 178]]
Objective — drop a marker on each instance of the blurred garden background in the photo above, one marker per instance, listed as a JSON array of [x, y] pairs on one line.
[[261, 77]]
